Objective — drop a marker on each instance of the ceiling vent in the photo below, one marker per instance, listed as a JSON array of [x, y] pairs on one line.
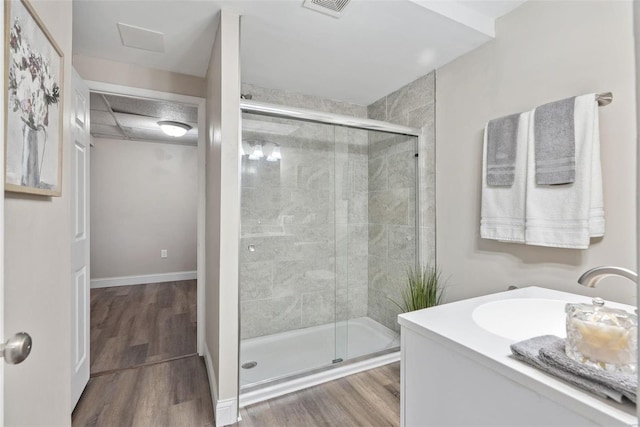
[[141, 38], [328, 7]]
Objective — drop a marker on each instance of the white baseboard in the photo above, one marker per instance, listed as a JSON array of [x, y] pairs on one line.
[[225, 411], [213, 381], [143, 279]]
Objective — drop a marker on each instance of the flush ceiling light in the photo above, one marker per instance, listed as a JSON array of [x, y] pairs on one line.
[[174, 128]]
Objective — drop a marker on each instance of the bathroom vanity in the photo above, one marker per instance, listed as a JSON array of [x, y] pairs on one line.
[[457, 368]]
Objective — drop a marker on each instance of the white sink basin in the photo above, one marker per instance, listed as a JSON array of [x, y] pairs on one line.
[[521, 318]]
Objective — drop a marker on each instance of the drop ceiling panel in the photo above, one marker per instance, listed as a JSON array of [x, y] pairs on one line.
[[100, 130], [137, 122], [97, 102], [137, 119], [161, 110], [190, 138], [102, 117], [142, 122]]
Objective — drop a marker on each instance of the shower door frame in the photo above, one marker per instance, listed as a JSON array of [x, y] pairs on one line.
[[249, 106], [294, 113]]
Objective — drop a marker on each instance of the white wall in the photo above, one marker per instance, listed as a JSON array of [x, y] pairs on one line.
[[38, 274], [143, 199], [543, 51], [223, 215]]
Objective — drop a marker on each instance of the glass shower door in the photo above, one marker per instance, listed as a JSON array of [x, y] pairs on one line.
[[287, 247], [351, 228], [328, 228], [376, 236]]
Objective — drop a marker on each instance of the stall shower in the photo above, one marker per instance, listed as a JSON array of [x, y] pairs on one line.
[[328, 228]]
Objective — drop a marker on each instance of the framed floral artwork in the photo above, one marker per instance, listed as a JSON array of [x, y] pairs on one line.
[[33, 103]]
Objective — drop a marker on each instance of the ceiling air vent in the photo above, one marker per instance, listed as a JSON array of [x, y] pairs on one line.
[[328, 7]]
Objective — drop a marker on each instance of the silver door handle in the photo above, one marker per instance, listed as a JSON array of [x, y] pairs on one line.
[[16, 349]]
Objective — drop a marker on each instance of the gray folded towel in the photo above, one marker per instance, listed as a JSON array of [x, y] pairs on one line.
[[528, 352], [502, 138], [555, 142], [555, 355]]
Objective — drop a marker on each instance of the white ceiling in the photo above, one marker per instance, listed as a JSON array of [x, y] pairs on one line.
[[493, 9], [374, 48]]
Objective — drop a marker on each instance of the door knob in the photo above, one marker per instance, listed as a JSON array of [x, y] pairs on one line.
[[16, 349]]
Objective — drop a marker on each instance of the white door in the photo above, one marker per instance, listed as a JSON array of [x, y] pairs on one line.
[[80, 273]]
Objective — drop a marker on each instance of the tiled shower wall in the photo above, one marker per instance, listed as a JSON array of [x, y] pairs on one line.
[[391, 181], [392, 221], [335, 221], [306, 218]]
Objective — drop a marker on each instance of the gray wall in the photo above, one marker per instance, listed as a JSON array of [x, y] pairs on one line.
[[307, 217], [543, 51], [120, 73], [392, 195], [143, 199], [37, 275]]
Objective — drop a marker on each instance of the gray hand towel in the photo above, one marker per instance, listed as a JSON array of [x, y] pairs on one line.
[[502, 138], [528, 352], [555, 355], [555, 142]]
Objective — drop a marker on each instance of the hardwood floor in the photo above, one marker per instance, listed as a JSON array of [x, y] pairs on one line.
[[141, 376], [172, 393], [176, 394], [135, 325], [370, 398]]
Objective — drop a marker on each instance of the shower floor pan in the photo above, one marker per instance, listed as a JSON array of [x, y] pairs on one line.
[[289, 361]]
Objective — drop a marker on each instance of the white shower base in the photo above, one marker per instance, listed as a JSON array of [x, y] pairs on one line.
[[303, 350]]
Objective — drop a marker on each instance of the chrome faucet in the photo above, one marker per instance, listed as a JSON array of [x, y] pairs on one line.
[[592, 277]]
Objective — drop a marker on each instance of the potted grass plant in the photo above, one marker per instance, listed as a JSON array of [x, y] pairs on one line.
[[424, 288]]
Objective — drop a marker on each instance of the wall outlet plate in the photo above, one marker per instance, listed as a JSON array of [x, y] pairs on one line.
[[163, 253]]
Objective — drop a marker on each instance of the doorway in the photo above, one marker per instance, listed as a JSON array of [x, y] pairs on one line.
[[148, 252]]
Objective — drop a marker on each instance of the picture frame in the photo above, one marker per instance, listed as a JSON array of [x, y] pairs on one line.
[[34, 88]]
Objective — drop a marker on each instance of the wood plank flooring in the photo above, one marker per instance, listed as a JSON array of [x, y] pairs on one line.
[[138, 334], [135, 325], [177, 394], [370, 398], [172, 393]]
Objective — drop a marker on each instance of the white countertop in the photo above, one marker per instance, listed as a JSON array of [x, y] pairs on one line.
[[452, 325]]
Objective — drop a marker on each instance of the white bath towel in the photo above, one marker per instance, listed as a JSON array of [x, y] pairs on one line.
[[596, 208], [567, 216], [503, 208]]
